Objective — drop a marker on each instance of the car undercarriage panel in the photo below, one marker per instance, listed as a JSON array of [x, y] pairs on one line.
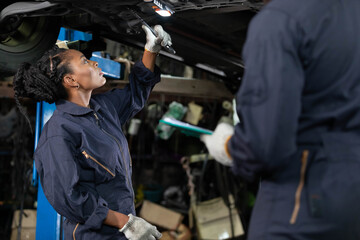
[[204, 32]]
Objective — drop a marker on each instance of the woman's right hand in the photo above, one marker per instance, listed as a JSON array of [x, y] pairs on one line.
[[139, 229], [154, 43]]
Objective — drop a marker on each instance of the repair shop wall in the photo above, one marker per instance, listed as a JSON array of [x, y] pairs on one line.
[[174, 178], [172, 169]]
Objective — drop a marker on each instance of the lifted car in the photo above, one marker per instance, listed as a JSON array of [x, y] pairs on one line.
[[208, 34]]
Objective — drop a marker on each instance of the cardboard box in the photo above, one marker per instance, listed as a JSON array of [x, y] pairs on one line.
[[213, 220], [167, 236], [194, 113], [160, 216], [182, 233], [28, 225]]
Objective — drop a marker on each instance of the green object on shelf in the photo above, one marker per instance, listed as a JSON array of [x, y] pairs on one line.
[[176, 111], [186, 128]]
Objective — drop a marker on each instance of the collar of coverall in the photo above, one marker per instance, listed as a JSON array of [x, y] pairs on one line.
[[74, 109]]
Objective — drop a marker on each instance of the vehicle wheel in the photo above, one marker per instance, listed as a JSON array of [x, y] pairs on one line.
[[27, 42]]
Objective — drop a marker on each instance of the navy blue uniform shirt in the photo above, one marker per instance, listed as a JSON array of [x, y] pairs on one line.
[[301, 91], [83, 158]]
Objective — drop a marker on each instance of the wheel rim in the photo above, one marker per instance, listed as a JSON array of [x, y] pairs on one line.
[[26, 37]]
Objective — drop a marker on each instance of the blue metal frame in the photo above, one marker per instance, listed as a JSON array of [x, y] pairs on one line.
[[37, 135], [48, 225], [73, 35], [110, 68]]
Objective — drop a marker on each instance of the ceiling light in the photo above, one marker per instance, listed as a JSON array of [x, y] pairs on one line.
[[175, 57], [210, 69]]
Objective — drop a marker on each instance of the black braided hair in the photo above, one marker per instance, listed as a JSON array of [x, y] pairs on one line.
[[42, 81]]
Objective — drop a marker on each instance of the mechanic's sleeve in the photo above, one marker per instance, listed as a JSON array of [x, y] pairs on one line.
[[59, 173], [269, 99], [131, 99]]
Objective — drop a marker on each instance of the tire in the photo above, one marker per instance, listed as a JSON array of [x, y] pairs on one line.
[[27, 44]]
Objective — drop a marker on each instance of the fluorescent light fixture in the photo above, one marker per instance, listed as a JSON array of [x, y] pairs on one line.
[[163, 13], [210, 69], [167, 54]]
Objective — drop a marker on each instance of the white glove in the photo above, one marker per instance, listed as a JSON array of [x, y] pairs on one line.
[[154, 43], [215, 143], [138, 229]]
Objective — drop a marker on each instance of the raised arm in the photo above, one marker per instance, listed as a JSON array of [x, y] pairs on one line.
[[148, 60], [144, 75]]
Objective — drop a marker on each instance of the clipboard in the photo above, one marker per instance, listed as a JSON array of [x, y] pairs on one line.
[[186, 128]]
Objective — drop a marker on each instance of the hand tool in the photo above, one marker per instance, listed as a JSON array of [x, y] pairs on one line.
[[168, 48]]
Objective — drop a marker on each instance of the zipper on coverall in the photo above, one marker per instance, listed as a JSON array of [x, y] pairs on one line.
[[118, 143]]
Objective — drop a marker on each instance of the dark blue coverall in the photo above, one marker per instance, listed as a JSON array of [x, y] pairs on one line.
[[300, 109], [83, 158]]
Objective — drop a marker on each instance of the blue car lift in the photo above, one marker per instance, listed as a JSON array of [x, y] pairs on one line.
[[48, 222]]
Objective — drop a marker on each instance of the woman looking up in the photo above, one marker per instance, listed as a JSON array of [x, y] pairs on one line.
[[82, 156]]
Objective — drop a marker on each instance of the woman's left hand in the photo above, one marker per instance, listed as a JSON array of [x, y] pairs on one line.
[[139, 229]]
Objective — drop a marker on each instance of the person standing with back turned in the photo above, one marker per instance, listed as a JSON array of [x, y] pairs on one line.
[[299, 105], [82, 156]]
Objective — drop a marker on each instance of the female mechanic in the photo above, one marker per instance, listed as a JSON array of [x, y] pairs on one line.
[[82, 156]]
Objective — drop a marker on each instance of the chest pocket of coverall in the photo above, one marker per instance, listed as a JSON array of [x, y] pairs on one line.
[[104, 165]]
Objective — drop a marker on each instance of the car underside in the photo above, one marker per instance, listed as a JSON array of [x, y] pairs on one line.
[[205, 33]]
